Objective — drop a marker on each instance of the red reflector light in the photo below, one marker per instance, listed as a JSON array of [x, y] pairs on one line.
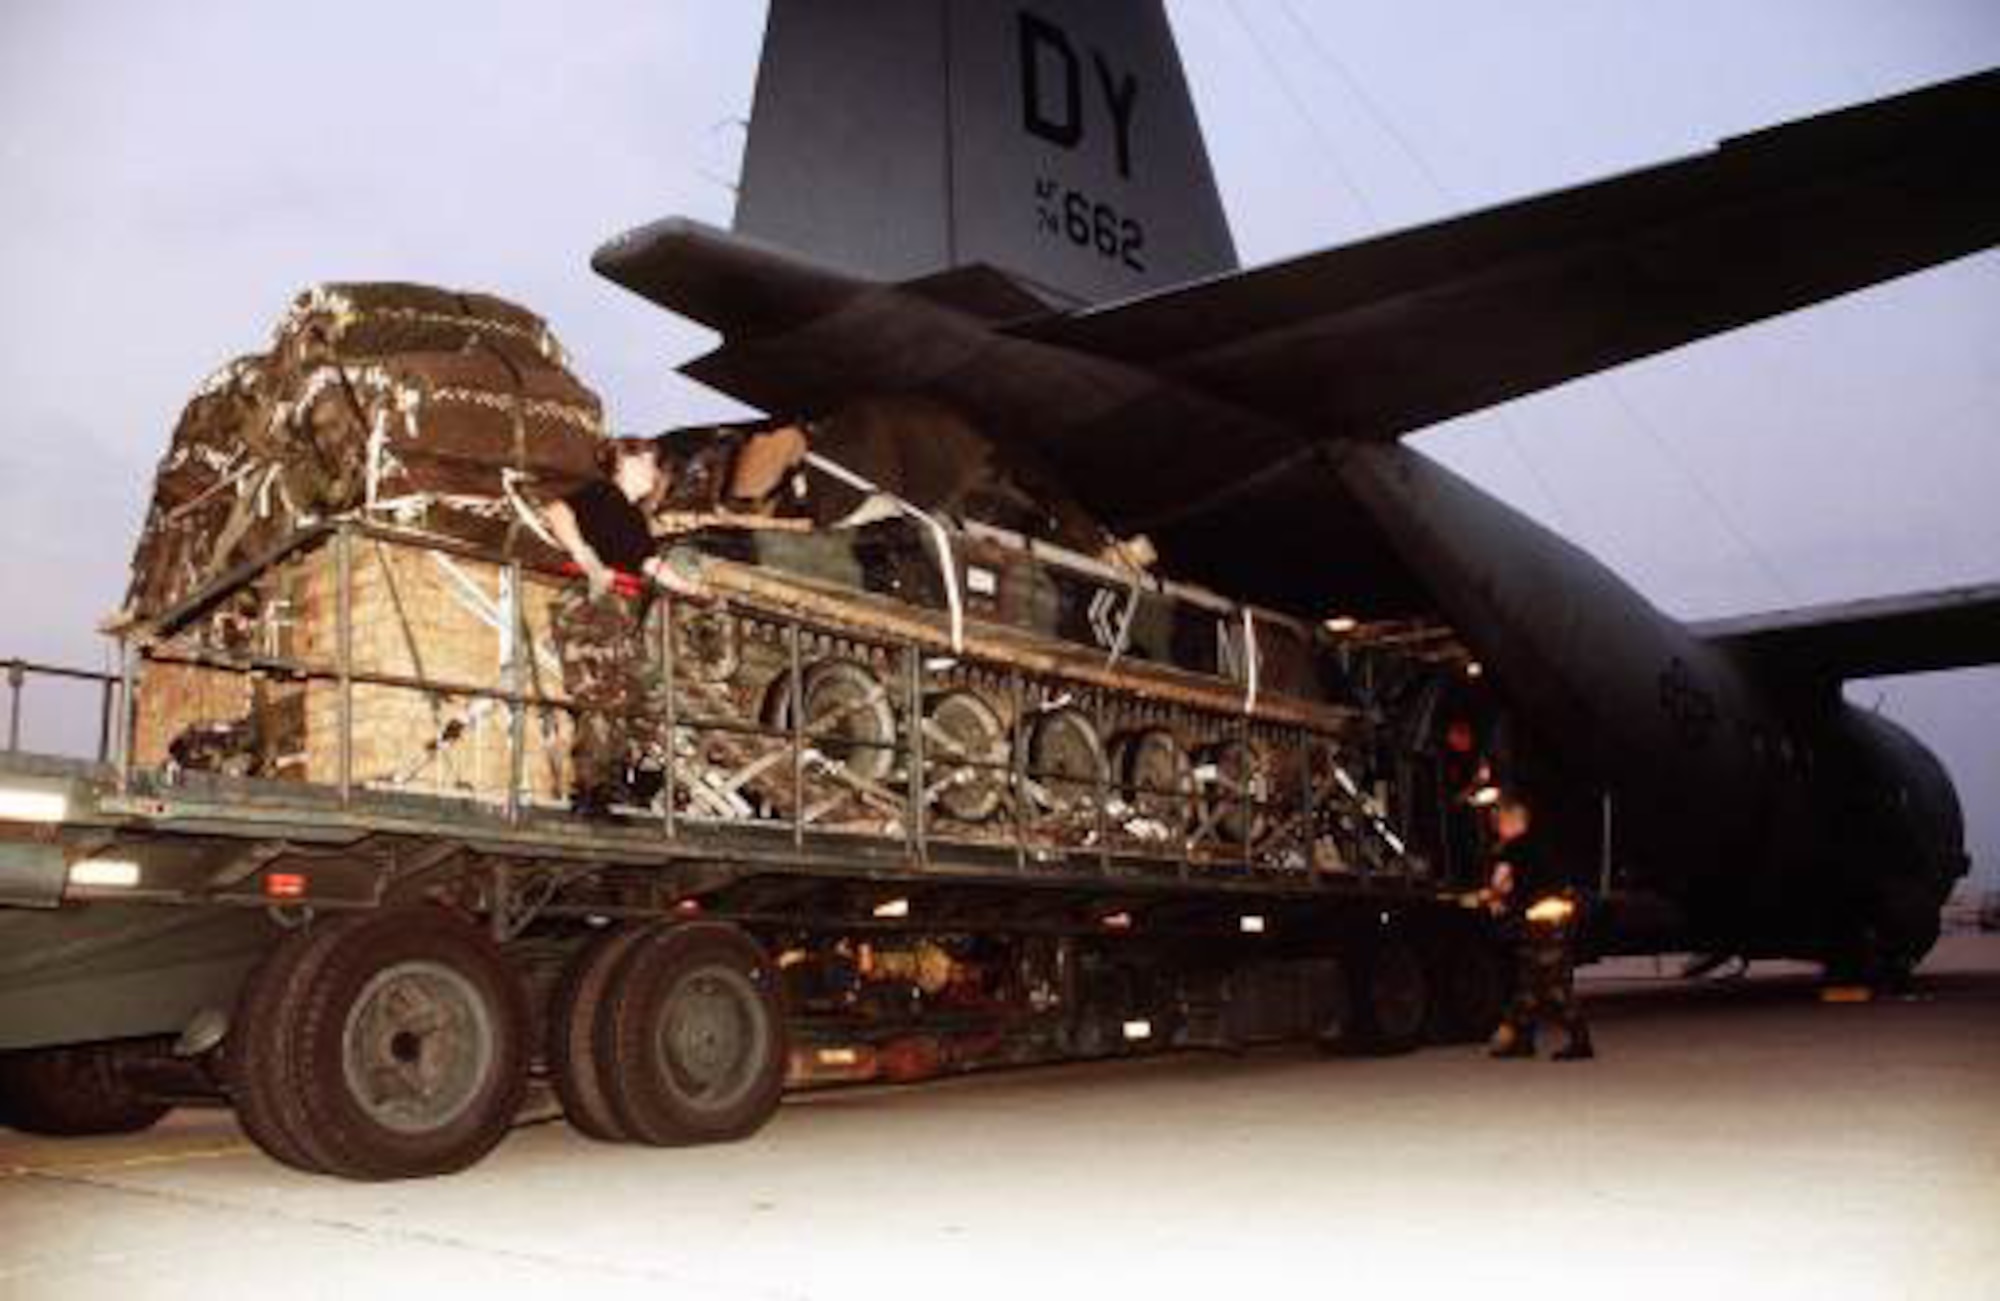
[[285, 885]]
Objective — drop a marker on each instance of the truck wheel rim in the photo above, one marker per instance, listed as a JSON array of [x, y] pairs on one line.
[[711, 1040], [418, 1047]]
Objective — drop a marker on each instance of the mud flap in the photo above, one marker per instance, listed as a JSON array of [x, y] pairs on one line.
[[32, 875]]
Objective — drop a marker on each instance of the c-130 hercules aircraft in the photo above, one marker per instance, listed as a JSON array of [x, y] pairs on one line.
[[1005, 211], [328, 873]]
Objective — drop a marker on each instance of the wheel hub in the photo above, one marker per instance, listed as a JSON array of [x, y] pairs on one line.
[[709, 1040], [418, 1047]]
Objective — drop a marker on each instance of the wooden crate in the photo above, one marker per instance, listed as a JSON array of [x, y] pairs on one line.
[[417, 613]]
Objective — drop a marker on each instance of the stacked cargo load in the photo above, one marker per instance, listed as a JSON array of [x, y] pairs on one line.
[[391, 403], [865, 661], [434, 414]]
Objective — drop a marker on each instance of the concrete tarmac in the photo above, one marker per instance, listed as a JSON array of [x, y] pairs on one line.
[[1734, 1140]]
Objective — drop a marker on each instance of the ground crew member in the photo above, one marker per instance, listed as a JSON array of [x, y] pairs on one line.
[[598, 621], [1468, 786], [1541, 915]]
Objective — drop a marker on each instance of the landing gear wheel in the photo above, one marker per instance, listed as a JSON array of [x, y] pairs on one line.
[[1468, 988], [692, 1041], [573, 1020], [961, 726], [73, 1092], [402, 1051], [1394, 996]]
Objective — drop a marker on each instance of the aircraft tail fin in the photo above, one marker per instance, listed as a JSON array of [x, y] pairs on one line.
[[1057, 143]]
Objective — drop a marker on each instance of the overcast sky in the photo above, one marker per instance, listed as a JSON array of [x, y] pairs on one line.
[[171, 173]]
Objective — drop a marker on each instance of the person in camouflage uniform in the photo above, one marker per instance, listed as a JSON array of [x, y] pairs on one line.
[[599, 623], [1541, 913], [597, 637]]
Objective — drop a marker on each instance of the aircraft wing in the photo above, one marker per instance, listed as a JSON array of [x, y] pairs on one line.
[[1202, 415], [1377, 339], [1955, 628]]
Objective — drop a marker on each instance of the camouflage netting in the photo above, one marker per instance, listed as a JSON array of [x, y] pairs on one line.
[[399, 404]]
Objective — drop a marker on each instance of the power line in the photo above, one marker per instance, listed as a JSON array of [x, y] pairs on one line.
[[1510, 430], [1299, 106], [1701, 488], [1509, 433], [1373, 109], [1408, 146]]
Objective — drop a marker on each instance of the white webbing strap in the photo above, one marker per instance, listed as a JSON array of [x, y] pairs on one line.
[[510, 480], [947, 561], [1252, 661]]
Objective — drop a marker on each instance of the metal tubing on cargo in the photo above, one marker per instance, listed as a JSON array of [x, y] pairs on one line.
[[128, 704], [796, 673], [17, 677], [205, 598], [1017, 786], [343, 553], [913, 686], [665, 608], [1102, 791], [1249, 806], [517, 715], [106, 701]]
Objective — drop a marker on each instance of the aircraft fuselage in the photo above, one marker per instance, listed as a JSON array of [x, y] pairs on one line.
[[1779, 820]]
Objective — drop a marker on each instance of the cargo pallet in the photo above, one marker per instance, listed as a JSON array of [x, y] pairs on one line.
[[370, 972]]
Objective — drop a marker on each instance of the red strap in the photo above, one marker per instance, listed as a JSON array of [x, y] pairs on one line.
[[623, 583]]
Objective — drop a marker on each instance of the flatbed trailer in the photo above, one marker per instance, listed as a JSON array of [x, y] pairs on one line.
[[372, 975]]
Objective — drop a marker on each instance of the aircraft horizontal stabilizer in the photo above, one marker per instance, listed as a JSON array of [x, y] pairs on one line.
[[729, 283], [1232, 393], [1955, 628], [1379, 339]]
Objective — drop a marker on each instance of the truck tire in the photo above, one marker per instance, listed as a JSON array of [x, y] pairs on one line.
[[573, 1020], [256, 1067], [1329, 1004], [403, 1050], [73, 1092], [1393, 1006], [1468, 987], [692, 1042]]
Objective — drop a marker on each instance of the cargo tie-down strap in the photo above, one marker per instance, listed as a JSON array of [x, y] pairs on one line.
[[947, 560]]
